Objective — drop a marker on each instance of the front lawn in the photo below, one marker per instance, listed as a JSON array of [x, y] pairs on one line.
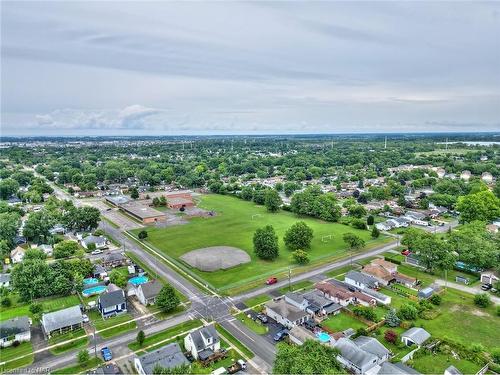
[[255, 326], [79, 337], [341, 322], [337, 272], [257, 300], [92, 363], [166, 334], [304, 284], [120, 323], [19, 356], [233, 226]]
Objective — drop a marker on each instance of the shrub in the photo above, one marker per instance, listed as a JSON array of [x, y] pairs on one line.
[[142, 234], [390, 336], [482, 300], [6, 302], [495, 355], [408, 311], [436, 299], [370, 220], [300, 256], [477, 348], [16, 343], [392, 260], [35, 308], [365, 312], [391, 319]]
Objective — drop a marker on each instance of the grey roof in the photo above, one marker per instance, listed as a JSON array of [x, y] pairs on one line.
[[362, 278], [295, 297], [371, 345], [168, 356], [94, 239], [352, 353], [112, 298], [98, 268], [332, 308], [113, 257], [105, 370], [62, 318], [204, 332], [117, 200], [453, 370], [151, 288], [417, 335], [375, 294], [399, 368], [4, 277], [286, 310], [14, 326], [316, 297]]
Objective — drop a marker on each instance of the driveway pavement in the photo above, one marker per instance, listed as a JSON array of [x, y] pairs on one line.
[[468, 289]]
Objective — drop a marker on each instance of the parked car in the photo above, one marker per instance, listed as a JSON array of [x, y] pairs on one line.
[[486, 286], [262, 318], [271, 280], [106, 354], [85, 318], [280, 335], [406, 252], [96, 252]]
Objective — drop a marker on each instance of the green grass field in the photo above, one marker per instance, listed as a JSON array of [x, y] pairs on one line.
[[255, 326], [92, 363], [437, 363], [79, 337], [257, 300], [341, 322], [103, 325], [48, 304], [19, 356], [233, 226]]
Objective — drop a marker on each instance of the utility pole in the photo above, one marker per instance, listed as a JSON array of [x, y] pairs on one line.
[[289, 279], [385, 143]]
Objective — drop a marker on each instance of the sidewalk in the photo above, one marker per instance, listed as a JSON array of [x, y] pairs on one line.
[[468, 289]]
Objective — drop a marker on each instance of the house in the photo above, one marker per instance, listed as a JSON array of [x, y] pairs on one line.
[[99, 271], [108, 369], [465, 175], [361, 280], [487, 177], [114, 260], [62, 320], [146, 293], [356, 359], [47, 249], [14, 200], [378, 272], [320, 305], [452, 370], [379, 297], [298, 335], [57, 229], [5, 280], [385, 226], [417, 218], [425, 293], [398, 368], [285, 313], [335, 293], [489, 277], [373, 346], [17, 254], [297, 300], [112, 302], [100, 242], [202, 342], [415, 336], [15, 329], [168, 356]]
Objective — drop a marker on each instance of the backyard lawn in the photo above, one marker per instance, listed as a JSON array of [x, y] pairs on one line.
[[233, 226], [437, 363], [48, 305], [341, 322], [13, 354]]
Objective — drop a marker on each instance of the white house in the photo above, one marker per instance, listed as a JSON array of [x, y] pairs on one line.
[[100, 242], [15, 329], [487, 177], [360, 280], [489, 277], [146, 293], [17, 254], [361, 355], [202, 342], [5, 280]]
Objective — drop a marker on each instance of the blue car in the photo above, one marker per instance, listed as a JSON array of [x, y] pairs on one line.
[[280, 335], [106, 354]]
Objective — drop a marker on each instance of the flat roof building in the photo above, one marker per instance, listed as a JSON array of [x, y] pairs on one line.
[[143, 213]]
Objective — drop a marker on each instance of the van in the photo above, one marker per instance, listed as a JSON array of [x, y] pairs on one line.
[[219, 371]]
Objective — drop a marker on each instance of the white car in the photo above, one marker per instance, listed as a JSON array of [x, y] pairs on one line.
[[96, 252], [85, 318]]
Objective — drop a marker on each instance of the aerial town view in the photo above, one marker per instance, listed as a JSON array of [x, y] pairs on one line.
[[250, 187]]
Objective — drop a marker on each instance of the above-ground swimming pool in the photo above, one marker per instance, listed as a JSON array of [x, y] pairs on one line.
[[323, 336], [138, 280], [90, 281], [94, 290]]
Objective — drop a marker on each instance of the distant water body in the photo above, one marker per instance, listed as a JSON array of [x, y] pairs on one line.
[[472, 143]]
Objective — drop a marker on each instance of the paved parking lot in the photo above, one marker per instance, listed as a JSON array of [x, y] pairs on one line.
[[273, 328]]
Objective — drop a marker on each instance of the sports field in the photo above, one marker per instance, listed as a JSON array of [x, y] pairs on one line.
[[234, 225]]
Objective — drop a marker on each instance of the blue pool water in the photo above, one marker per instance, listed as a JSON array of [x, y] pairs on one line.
[[94, 290], [138, 280], [90, 281], [323, 337]]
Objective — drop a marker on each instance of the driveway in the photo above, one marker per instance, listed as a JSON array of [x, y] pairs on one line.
[[469, 289]]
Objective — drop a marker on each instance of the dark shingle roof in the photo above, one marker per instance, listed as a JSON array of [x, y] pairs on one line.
[[208, 331], [62, 318], [168, 356], [112, 298], [14, 326], [151, 288]]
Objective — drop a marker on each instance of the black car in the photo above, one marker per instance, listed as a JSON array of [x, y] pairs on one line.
[[486, 286], [262, 318], [280, 335]]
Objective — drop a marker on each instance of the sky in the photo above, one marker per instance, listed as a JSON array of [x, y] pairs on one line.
[[170, 68]]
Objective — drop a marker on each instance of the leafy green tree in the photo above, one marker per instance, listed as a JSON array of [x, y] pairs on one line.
[[300, 257], [408, 311], [118, 278], [482, 206], [4, 249], [272, 200], [375, 232], [370, 220], [142, 235], [32, 254], [167, 300], [32, 279], [391, 318], [265, 243], [357, 211], [435, 299], [37, 226], [482, 300], [310, 358], [496, 189], [8, 187], [65, 249], [353, 241], [141, 336], [83, 357], [134, 193], [298, 236], [9, 224]]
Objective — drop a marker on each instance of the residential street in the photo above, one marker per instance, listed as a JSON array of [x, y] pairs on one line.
[[468, 289]]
